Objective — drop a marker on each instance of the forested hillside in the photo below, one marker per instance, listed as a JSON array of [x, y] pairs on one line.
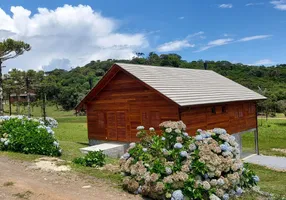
[[67, 88]]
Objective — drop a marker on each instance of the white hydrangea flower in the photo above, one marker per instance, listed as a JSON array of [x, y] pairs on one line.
[[206, 185], [139, 128], [214, 197], [177, 131], [168, 130]]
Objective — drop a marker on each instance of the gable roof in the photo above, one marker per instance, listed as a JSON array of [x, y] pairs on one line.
[[188, 87]]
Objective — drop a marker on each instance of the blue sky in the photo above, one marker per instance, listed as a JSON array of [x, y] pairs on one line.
[[250, 32]]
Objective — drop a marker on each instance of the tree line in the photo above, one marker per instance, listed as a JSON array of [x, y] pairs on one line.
[[65, 88]]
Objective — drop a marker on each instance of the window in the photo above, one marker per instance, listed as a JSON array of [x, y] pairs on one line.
[[213, 110], [224, 109]]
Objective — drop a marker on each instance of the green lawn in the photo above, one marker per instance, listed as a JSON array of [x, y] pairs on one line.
[[72, 135], [51, 111], [272, 134]]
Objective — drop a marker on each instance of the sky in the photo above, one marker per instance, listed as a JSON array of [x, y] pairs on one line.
[[70, 33]]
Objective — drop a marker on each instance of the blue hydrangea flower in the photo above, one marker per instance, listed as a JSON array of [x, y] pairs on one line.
[[219, 131], [6, 142], [220, 181], [56, 144], [225, 196], [125, 156], [5, 117], [192, 147], [208, 134], [168, 170], [198, 138], [60, 150], [239, 191], [199, 130], [139, 191], [185, 134], [178, 146], [164, 150], [183, 154], [256, 178], [177, 195], [231, 138], [232, 192], [163, 138], [203, 135], [3, 139], [144, 149], [206, 176], [223, 147]]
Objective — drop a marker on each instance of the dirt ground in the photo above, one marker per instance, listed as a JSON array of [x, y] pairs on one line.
[[19, 180]]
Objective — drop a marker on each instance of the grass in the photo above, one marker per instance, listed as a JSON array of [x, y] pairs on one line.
[[51, 111], [24, 195], [272, 134], [270, 181], [9, 183]]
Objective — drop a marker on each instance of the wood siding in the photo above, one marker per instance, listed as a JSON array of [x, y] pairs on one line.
[[122, 105], [234, 117]]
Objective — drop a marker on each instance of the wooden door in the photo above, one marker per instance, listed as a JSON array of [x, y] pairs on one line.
[[121, 126], [117, 125], [111, 125]]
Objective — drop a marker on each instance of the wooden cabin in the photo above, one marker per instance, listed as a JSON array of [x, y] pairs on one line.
[[130, 95]]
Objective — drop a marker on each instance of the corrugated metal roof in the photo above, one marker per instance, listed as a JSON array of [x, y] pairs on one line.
[[191, 86]]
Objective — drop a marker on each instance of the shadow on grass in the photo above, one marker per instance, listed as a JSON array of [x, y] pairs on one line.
[[83, 143], [280, 124]]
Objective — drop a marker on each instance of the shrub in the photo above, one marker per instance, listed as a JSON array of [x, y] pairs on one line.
[[176, 166], [92, 159], [27, 135]]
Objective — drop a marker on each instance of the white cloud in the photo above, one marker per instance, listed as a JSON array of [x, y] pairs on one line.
[[174, 46], [215, 43], [195, 34], [280, 4], [220, 42], [178, 45], [225, 41], [182, 17], [225, 5], [73, 34], [254, 4], [256, 37], [263, 62]]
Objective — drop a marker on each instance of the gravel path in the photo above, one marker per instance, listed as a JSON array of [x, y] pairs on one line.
[[19, 180]]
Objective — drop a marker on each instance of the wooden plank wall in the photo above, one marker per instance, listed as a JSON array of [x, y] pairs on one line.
[[142, 106], [234, 117]]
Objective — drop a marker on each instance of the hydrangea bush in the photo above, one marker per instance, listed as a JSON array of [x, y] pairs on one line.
[[50, 122], [27, 135], [176, 166]]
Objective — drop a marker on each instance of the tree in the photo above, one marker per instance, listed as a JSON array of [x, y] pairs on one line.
[[10, 49], [16, 83]]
